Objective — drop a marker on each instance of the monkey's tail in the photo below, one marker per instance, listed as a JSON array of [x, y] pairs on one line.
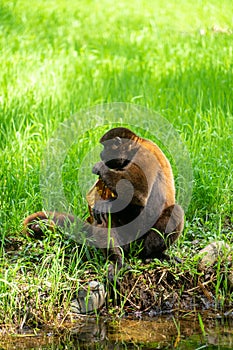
[[36, 224]]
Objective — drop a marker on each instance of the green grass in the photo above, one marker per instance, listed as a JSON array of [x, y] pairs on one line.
[[58, 57]]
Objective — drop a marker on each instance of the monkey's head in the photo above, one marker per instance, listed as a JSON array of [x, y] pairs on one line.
[[120, 146]]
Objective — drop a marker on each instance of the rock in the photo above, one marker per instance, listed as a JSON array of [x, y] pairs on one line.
[[209, 255], [90, 298]]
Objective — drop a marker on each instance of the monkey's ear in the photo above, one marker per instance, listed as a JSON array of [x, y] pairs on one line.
[[118, 139], [116, 142]]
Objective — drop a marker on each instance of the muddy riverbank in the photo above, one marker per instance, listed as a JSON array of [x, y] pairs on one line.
[[186, 332]]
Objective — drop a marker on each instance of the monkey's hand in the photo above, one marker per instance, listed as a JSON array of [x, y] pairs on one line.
[[99, 168], [101, 210]]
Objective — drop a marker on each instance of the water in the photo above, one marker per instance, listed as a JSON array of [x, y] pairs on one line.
[[147, 333]]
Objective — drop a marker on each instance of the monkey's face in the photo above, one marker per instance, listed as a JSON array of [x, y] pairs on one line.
[[118, 152]]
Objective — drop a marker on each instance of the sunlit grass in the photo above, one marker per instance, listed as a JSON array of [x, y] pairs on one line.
[[175, 59]]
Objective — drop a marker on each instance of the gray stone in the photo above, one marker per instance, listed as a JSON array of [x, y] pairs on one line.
[[91, 298], [210, 254]]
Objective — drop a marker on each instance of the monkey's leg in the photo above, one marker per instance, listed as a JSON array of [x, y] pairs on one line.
[[164, 233]]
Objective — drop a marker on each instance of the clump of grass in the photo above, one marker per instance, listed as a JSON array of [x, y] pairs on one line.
[[42, 277]]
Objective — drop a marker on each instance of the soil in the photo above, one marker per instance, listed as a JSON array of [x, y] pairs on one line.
[[166, 289], [152, 289]]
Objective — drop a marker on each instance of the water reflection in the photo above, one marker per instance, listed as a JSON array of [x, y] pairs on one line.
[[146, 333]]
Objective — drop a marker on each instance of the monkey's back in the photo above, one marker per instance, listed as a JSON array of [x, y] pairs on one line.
[[165, 167]]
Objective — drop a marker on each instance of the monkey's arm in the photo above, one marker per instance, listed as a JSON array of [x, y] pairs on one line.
[[135, 179]]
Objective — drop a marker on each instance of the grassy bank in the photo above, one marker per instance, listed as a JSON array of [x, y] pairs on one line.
[[57, 58]]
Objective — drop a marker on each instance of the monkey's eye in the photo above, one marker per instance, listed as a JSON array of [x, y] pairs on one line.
[[116, 142]]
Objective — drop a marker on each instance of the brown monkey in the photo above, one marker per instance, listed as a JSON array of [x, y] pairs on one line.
[[142, 204], [148, 177]]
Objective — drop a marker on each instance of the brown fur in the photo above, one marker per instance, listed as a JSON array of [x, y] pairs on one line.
[[146, 167], [35, 224], [127, 156]]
